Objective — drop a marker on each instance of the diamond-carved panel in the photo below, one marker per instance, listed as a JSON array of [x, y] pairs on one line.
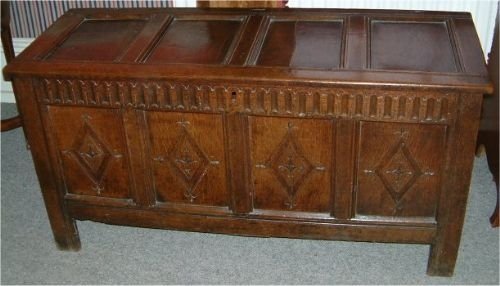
[[92, 154], [398, 171], [188, 159], [290, 170], [290, 165], [91, 149], [188, 154]]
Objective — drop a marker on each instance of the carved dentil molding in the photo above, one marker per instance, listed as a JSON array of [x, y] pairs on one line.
[[357, 103]]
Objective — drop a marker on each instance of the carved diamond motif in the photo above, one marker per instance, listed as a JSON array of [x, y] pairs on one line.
[[290, 165], [187, 158], [91, 154], [398, 171]]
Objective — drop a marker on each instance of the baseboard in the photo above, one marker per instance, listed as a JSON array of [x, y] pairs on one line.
[[6, 93]]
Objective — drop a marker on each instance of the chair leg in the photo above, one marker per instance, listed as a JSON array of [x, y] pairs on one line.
[[492, 157], [494, 216], [488, 140], [11, 123]]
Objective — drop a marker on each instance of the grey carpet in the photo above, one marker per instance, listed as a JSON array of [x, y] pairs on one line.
[[125, 255]]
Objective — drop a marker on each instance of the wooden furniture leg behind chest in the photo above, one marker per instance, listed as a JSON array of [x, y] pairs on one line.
[[489, 125], [324, 124]]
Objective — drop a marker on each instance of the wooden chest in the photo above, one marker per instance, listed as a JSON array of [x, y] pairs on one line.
[[325, 124]]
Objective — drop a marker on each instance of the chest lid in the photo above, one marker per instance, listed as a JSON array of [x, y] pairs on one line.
[[291, 46]]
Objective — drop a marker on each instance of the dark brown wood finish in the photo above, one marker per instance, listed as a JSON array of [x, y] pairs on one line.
[[63, 225], [7, 44], [324, 124], [241, 4], [453, 197]]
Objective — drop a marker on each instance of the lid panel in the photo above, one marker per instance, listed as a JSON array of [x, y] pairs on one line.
[[98, 40], [412, 46], [302, 44], [281, 46], [470, 47], [196, 41]]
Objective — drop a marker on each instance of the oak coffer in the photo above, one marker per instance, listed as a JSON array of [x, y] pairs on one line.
[[326, 124]]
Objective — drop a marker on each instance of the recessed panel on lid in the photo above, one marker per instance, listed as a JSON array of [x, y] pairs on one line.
[[196, 41], [302, 44], [98, 40], [412, 46]]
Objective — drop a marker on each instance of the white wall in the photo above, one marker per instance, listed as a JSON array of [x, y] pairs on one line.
[[184, 3], [6, 94], [483, 12]]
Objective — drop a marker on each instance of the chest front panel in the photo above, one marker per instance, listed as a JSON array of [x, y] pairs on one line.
[[92, 151], [290, 147], [291, 163], [188, 158], [399, 168]]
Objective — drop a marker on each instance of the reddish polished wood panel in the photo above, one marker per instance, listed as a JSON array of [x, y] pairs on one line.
[[302, 44], [110, 40], [393, 46], [192, 41]]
